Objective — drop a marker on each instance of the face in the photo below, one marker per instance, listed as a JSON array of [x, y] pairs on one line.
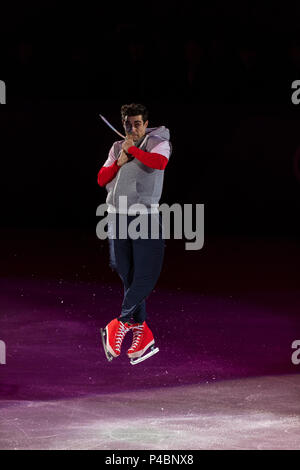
[[138, 127]]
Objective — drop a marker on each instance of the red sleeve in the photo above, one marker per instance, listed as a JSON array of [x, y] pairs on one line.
[[107, 173], [153, 160]]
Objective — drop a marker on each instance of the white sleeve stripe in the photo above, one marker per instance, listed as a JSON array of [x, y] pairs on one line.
[[163, 148], [111, 157]]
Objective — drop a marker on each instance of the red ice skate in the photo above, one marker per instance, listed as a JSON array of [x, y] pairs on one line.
[[112, 337], [142, 340]]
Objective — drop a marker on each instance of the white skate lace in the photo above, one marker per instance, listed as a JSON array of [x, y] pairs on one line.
[[122, 330], [137, 334]]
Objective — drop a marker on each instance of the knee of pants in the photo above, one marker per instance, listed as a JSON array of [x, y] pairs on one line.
[[126, 278]]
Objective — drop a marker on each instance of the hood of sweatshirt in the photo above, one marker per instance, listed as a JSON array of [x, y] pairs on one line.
[[161, 131]]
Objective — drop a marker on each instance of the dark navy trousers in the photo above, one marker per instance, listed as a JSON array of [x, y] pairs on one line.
[[138, 262]]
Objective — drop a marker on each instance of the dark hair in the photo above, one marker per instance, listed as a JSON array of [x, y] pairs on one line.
[[134, 109]]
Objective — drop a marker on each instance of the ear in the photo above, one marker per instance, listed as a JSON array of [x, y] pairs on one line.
[[146, 123]]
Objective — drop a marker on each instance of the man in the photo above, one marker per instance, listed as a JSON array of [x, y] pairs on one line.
[[135, 169]]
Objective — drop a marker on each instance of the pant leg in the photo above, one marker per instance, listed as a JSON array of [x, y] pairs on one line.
[[122, 261], [148, 257]]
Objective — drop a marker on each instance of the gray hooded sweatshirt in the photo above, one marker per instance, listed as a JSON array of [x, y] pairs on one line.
[[140, 183]]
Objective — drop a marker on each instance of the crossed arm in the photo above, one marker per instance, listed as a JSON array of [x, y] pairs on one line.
[[150, 159]]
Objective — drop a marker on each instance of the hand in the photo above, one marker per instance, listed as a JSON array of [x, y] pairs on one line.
[[128, 143], [123, 158]]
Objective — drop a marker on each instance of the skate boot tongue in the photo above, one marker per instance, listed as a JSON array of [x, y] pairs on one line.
[[132, 324], [128, 324], [138, 324]]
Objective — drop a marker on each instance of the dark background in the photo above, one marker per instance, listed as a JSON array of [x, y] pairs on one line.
[[218, 76]]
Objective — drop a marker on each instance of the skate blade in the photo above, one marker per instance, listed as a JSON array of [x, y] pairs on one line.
[[109, 357], [142, 358]]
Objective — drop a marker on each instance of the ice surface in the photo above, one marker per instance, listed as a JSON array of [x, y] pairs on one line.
[[254, 413]]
